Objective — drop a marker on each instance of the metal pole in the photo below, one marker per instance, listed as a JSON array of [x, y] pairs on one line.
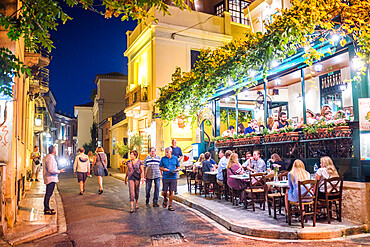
[[228, 119], [303, 96], [226, 3], [236, 113], [265, 106]]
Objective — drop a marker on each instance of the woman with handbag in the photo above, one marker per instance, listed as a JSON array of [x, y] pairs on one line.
[[135, 173], [100, 160]]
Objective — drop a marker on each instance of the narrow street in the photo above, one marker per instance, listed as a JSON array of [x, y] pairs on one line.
[[104, 220]]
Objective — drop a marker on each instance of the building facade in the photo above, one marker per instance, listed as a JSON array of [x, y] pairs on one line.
[[109, 98], [154, 50], [84, 115]]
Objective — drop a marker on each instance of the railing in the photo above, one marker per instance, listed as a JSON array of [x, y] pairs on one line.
[[38, 49], [138, 94], [44, 77]]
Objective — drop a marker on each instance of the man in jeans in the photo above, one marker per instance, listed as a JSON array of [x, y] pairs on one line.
[[152, 173], [169, 165], [50, 178]]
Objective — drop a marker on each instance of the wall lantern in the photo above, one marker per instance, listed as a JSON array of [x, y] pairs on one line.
[[278, 82], [318, 67]]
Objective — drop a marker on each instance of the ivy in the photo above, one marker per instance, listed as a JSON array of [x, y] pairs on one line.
[[300, 26]]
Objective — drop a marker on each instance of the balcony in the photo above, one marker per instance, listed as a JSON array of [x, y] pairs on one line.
[[39, 83], [36, 57], [138, 94], [120, 116]]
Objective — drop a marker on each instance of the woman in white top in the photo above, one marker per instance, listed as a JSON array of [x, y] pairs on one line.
[[326, 170], [81, 168]]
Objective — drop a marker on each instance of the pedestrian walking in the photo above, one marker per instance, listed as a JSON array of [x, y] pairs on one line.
[[135, 173], [50, 178], [100, 160], [91, 159], [81, 168], [36, 163], [152, 174], [169, 165]]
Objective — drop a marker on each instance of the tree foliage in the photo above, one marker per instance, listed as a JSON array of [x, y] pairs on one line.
[[305, 23], [36, 18]]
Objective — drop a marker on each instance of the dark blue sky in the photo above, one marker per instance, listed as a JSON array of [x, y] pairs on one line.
[[85, 46]]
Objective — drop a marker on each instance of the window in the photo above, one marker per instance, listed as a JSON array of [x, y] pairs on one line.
[[236, 8], [194, 57]]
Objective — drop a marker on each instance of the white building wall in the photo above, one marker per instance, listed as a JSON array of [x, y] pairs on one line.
[[84, 123]]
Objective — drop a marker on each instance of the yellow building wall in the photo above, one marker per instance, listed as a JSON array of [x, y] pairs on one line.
[[117, 133]]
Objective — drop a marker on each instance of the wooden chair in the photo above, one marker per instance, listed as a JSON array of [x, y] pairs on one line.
[[256, 191], [275, 196], [333, 195], [207, 186], [226, 186], [199, 181], [190, 179], [307, 204]]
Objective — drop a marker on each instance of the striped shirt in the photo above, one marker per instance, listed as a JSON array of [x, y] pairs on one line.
[[152, 167]]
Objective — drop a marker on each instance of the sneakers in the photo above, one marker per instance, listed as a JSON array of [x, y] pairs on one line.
[[31, 179], [155, 205], [100, 192], [81, 193], [147, 201], [36, 180]]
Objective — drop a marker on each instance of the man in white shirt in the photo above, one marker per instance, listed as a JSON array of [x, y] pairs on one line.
[[50, 177], [222, 165]]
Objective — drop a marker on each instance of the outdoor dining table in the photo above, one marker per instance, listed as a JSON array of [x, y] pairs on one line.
[[281, 184], [244, 176], [211, 173]]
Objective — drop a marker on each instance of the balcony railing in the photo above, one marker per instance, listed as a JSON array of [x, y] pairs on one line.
[[138, 94], [40, 82], [37, 57]]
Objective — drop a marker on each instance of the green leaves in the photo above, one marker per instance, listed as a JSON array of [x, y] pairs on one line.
[[299, 26]]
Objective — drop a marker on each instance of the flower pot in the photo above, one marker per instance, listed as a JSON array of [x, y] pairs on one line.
[[292, 136], [342, 131], [256, 139]]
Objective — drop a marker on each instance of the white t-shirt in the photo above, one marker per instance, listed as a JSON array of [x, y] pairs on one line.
[[323, 173]]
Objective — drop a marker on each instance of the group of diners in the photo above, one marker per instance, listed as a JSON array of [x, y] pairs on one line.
[[325, 115], [229, 162]]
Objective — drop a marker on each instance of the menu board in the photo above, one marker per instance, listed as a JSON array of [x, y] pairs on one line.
[[364, 117], [364, 113]]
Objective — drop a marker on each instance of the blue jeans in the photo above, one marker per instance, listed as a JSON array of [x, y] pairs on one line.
[[157, 182]]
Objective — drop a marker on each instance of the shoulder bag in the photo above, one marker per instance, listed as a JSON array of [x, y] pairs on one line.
[[105, 169]]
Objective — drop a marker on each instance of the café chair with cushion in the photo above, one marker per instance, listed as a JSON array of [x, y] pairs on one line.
[[333, 195], [307, 203], [256, 191]]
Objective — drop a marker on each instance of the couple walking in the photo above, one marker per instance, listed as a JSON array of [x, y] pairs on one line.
[[153, 169], [81, 167]]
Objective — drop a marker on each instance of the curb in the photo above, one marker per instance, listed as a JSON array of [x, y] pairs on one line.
[[272, 234], [60, 225]]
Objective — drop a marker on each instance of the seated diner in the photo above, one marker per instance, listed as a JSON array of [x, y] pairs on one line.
[[253, 126], [327, 170], [282, 122], [234, 168], [256, 163], [298, 173], [207, 166]]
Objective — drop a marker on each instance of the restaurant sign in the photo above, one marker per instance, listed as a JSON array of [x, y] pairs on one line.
[[364, 117]]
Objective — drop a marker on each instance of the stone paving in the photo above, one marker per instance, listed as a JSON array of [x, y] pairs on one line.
[[261, 224], [31, 222]]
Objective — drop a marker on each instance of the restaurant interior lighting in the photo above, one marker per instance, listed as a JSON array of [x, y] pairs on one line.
[[227, 99], [335, 38], [357, 63], [318, 67], [278, 82], [299, 97], [274, 63]]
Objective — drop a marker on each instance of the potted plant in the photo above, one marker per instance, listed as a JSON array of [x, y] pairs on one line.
[[289, 134], [310, 131], [255, 138], [122, 149], [341, 129], [239, 139]]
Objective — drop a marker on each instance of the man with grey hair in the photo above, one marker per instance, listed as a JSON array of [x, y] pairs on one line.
[[50, 177], [168, 166], [152, 174]]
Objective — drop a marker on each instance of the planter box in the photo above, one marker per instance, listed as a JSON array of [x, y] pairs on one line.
[[256, 139], [241, 141], [292, 136], [342, 131]]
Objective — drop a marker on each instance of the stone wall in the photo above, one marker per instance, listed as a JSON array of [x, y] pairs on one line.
[[356, 202]]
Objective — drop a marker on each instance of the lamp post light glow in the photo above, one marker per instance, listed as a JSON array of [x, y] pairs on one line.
[[343, 87], [335, 38], [299, 97], [274, 63], [227, 99]]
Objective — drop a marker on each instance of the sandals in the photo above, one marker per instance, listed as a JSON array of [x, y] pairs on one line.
[[131, 211], [49, 212], [171, 208], [137, 207], [164, 204]]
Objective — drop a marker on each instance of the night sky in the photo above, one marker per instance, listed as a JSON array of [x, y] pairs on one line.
[[85, 46]]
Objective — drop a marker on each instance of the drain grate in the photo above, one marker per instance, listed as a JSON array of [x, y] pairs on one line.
[[167, 239]]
